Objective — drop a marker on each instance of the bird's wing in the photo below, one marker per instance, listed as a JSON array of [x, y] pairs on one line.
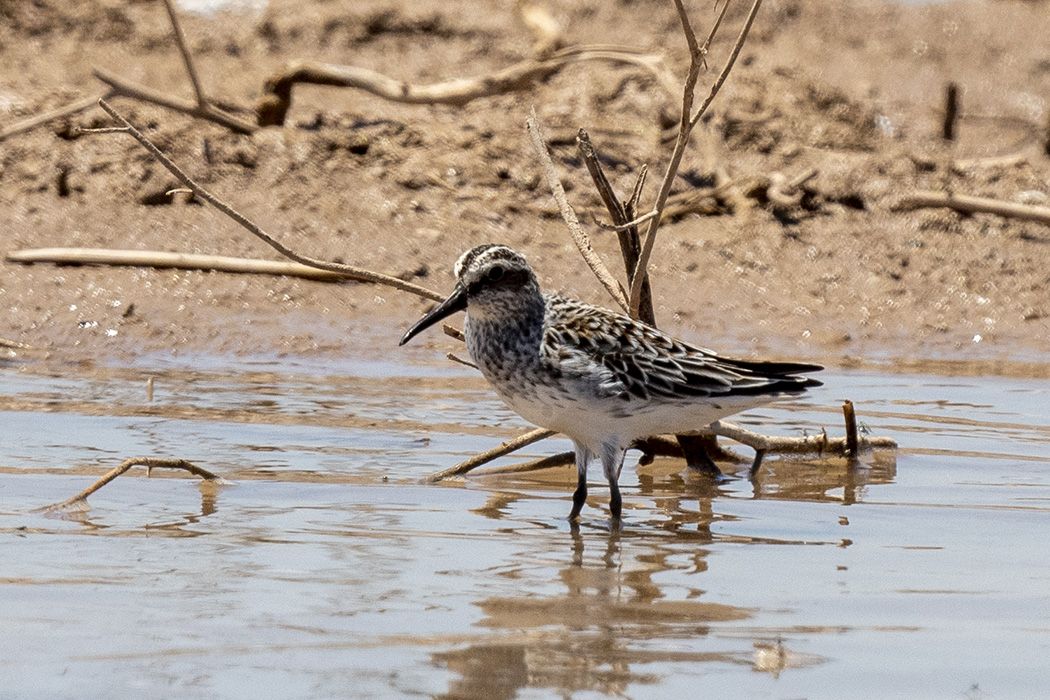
[[637, 361]]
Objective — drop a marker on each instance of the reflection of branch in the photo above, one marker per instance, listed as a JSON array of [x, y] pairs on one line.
[[277, 99], [80, 500], [348, 270]]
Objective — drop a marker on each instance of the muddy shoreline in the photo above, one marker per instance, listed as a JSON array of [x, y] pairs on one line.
[[852, 90]]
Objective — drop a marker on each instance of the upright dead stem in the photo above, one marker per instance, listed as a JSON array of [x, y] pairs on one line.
[[579, 236], [187, 59], [689, 120]]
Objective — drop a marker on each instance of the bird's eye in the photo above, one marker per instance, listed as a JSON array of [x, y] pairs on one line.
[[495, 274]]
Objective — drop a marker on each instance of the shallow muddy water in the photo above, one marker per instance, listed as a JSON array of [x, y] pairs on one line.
[[326, 568]]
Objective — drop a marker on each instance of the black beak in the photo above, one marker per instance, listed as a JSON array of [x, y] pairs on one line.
[[457, 301]]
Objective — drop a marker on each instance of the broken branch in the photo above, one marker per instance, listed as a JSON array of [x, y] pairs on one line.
[[277, 100], [579, 236], [79, 501], [119, 87], [688, 121], [183, 261], [974, 205]]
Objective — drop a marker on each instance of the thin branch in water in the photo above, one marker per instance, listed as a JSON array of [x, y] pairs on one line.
[[79, 501], [850, 416], [489, 455], [579, 236], [349, 270]]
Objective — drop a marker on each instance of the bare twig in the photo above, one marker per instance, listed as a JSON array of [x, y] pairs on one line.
[[273, 108], [125, 88], [51, 115], [657, 445], [349, 270], [79, 501], [161, 259], [187, 59], [579, 236], [688, 121], [456, 358], [974, 205], [495, 453], [795, 445], [850, 416], [626, 230], [452, 332]]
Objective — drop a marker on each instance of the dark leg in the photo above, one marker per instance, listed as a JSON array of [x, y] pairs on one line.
[[757, 464], [698, 451], [615, 502], [579, 497], [612, 463]]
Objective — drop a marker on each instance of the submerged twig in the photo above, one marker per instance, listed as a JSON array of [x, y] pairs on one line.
[[80, 500]]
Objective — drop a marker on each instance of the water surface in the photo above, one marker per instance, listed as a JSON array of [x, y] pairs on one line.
[[327, 568]]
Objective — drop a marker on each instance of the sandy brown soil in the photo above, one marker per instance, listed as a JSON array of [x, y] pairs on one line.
[[853, 89]]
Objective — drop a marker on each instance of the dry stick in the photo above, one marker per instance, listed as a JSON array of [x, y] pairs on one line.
[[814, 444], [149, 462], [630, 245], [348, 270], [273, 108], [124, 88], [697, 450], [579, 236], [45, 117], [850, 416], [504, 449], [161, 259], [187, 59], [974, 205], [689, 120]]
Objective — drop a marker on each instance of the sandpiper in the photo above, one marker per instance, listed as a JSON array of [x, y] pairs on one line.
[[601, 378]]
